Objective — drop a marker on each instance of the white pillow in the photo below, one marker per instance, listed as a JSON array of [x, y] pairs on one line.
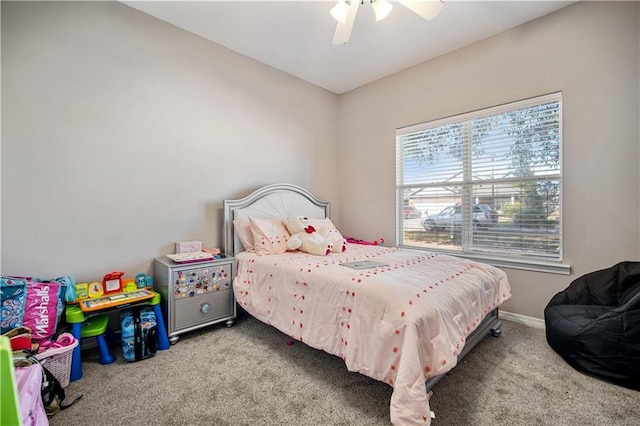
[[269, 235], [243, 232]]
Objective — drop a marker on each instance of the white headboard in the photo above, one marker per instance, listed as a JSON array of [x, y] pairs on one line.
[[278, 200]]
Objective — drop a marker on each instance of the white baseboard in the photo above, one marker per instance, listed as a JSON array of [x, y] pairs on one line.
[[522, 319]]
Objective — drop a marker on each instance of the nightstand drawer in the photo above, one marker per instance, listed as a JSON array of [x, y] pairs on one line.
[[203, 308], [197, 281]]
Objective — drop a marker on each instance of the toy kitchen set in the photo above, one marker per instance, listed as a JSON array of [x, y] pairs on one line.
[[196, 288]]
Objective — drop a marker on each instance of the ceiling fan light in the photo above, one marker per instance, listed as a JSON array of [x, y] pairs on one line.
[[381, 8], [427, 9], [434, 10], [340, 11]]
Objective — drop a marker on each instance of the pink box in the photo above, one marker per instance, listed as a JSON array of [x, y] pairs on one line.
[[188, 246]]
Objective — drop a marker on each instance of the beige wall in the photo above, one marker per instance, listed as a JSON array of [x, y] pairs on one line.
[[589, 51], [122, 134]]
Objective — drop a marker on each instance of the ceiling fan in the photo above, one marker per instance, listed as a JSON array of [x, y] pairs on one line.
[[345, 13]]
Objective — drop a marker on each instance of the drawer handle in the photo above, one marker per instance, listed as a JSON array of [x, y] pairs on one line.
[[204, 308]]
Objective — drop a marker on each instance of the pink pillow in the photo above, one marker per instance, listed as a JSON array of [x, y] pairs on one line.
[[326, 223], [243, 232], [269, 235]]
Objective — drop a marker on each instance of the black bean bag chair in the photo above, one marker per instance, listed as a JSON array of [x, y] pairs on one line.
[[594, 324]]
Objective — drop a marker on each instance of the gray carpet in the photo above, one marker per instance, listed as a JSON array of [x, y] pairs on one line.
[[247, 375]]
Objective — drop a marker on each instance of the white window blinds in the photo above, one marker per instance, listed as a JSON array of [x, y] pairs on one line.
[[488, 181]]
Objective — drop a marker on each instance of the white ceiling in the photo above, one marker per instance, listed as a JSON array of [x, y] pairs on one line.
[[296, 36]]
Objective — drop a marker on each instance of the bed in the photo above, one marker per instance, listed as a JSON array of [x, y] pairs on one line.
[[405, 319]]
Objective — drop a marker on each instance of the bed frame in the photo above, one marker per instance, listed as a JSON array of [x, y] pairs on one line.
[[280, 200]]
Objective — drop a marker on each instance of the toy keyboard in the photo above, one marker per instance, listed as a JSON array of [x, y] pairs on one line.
[[118, 299]]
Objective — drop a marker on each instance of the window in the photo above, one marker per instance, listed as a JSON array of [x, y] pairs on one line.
[[486, 184]]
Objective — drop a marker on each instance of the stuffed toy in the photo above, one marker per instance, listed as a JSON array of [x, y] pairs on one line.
[[339, 245], [365, 243], [338, 241], [304, 237]]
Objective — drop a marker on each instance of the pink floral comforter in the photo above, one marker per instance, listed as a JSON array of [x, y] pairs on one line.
[[400, 323]]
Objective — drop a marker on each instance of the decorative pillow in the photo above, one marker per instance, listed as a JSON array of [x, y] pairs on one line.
[[269, 235], [243, 232], [327, 228], [326, 223]]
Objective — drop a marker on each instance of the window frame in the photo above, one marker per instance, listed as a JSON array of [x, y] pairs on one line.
[[526, 261]]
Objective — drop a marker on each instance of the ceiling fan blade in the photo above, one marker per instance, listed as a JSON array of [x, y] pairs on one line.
[[343, 31], [427, 9]]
